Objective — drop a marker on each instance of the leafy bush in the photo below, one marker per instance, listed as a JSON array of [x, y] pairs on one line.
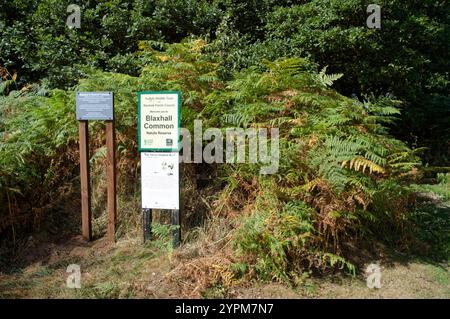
[[35, 41], [283, 244], [408, 58], [339, 174], [443, 178], [336, 157], [38, 134]]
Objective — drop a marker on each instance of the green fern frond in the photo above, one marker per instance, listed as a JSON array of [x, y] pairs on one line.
[[327, 80]]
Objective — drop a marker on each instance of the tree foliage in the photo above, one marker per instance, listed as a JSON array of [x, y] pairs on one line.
[[408, 58], [334, 87]]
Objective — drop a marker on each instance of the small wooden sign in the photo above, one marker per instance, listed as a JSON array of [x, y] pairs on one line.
[[96, 106]]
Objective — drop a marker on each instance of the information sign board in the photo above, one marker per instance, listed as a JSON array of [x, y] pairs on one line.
[[95, 106], [158, 120], [160, 180]]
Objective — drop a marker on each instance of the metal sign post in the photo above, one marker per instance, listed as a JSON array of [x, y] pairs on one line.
[[176, 231], [96, 106], [147, 222], [158, 140]]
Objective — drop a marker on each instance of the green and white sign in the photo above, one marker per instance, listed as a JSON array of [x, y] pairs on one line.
[[158, 120]]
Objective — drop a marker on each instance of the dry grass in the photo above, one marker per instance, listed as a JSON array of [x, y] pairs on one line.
[[412, 280], [130, 270], [200, 268]]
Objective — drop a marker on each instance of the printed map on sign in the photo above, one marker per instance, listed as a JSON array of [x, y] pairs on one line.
[[158, 121], [160, 180]]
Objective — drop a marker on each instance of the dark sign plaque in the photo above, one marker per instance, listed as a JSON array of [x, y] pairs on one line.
[[95, 106]]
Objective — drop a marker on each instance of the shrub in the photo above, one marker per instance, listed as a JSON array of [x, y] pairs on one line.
[[339, 169], [338, 174]]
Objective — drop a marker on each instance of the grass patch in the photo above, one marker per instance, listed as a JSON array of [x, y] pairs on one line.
[[441, 189]]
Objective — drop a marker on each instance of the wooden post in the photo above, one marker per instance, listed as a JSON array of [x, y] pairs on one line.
[[84, 177], [111, 174]]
